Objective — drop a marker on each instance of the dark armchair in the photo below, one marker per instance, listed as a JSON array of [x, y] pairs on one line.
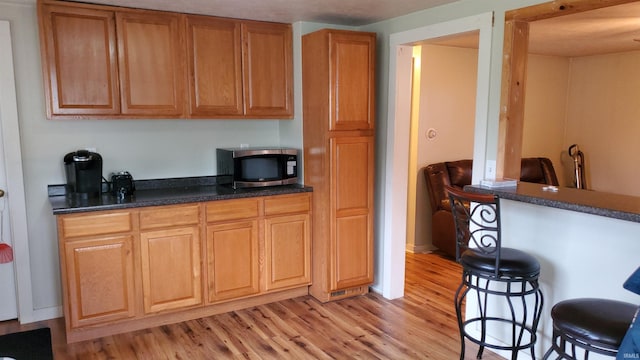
[[458, 174]]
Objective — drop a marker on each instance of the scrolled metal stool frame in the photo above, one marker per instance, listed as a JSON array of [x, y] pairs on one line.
[[485, 272]]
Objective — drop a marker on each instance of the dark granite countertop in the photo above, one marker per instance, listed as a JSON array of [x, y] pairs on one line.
[[162, 192], [615, 206]]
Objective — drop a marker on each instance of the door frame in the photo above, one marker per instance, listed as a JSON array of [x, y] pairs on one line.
[[396, 170], [15, 179]]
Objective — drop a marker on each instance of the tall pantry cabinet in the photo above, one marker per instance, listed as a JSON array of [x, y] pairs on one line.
[[338, 105]]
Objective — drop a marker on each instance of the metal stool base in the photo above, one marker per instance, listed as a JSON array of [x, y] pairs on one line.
[[523, 326]]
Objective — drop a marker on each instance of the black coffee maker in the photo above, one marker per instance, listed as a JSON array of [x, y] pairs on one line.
[[84, 173]]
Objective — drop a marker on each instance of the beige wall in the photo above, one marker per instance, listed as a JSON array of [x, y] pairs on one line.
[[545, 109], [591, 101], [447, 104], [603, 117]]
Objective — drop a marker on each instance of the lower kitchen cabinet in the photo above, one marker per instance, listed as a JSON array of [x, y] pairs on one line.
[[170, 261], [232, 260], [100, 280], [130, 269], [170, 257], [288, 249]]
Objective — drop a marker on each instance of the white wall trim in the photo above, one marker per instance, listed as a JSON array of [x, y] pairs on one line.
[[15, 179], [397, 151]]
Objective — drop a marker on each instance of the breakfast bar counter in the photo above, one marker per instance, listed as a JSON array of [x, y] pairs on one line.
[[622, 207], [587, 242]]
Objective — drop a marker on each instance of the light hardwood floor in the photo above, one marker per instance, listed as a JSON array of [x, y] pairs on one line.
[[421, 325]]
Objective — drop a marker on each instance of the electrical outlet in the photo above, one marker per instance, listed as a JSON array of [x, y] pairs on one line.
[[490, 170]]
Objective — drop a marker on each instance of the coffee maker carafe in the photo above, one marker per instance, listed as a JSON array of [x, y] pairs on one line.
[[84, 173]]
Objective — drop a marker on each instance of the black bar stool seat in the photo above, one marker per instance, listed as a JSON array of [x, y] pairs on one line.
[[513, 262], [594, 325]]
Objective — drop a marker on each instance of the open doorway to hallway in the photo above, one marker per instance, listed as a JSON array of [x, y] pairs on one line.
[[396, 175], [445, 72]]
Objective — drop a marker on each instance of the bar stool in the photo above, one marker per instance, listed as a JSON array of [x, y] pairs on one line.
[[593, 325], [495, 274]]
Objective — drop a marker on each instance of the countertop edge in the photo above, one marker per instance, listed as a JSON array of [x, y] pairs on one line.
[[621, 207], [60, 203]]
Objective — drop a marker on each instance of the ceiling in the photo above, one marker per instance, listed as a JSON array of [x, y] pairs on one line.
[[607, 30], [603, 31], [339, 12]]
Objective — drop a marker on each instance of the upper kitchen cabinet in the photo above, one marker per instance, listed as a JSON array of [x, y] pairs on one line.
[[79, 61], [114, 62], [267, 69], [151, 63], [342, 71], [239, 68], [215, 66]]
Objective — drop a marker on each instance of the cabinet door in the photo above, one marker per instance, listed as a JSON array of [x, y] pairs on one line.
[[288, 250], [170, 268], [352, 58], [267, 69], [151, 64], [99, 276], [232, 260], [79, 60], [215, 66], [352, 208]]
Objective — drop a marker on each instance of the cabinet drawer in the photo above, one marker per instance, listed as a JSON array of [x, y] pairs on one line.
[[169, 216], [286, 204], [232, 209], [97, 224]]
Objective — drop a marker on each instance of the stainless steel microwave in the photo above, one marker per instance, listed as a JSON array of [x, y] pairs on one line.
[[257, 167]]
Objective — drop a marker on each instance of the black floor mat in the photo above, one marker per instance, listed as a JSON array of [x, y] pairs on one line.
[[27, 345]]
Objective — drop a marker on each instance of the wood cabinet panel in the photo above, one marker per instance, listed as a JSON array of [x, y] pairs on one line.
[[171, 268], [215, 66], [237, 209], [79, 61], [162, 217], [151, 63], [95, 224], [353, 251], [352, 81], [232, 260], [288, 251], [267, 69], [352, 173], [352, 184], [287, 204], [100, 282]]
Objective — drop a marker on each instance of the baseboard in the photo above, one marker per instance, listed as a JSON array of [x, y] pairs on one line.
[[42, 314], [419, 249]]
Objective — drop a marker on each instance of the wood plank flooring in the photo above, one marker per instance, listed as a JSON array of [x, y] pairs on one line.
[[421, 325]]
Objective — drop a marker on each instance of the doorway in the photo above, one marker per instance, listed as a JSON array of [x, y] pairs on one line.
[[442, 121], [15, 284], [398, 133]]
